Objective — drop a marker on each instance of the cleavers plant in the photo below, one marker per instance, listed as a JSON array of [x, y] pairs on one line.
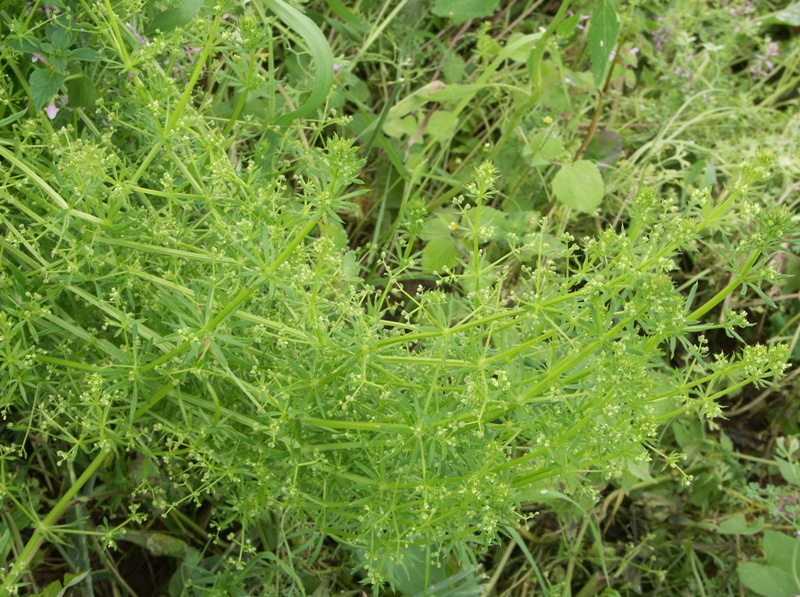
[[182, 325]]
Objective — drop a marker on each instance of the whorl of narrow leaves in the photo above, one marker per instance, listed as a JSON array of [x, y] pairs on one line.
[[182, 325]]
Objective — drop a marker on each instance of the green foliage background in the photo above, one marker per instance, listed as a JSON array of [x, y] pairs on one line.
[[306, 296]]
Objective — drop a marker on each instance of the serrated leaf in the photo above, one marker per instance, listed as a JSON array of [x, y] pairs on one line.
[[579, 185], [45, 84], [59, 63], [52, 590], [415, 100], [639, 470], [60, 33], [81, 92], [453, 69], [27, 45], [334, 230], [175, 17], [601, 38], [459, 11], [438, 253], [399, 127]]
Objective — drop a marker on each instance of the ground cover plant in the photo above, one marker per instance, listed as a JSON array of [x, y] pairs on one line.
[[309, 298]]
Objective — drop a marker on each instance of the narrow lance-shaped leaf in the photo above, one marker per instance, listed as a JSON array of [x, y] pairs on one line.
[[601, 38], [459, 11]]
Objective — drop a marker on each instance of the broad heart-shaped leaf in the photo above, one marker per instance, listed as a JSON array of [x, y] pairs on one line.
[[60, 32], [579, 185], [459, 11], [768, 581], [440, 225], [778, 577], [175, 17], [783, 551], [602, 35], [438, 253], [27, 44], [45, 83]]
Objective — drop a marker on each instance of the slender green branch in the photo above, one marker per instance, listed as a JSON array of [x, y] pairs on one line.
[[45, 526]]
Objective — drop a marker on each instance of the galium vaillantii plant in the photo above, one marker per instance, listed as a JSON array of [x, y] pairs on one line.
[[264, 374], [182, 328]]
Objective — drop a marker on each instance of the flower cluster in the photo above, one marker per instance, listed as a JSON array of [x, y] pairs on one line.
[[763, 65]]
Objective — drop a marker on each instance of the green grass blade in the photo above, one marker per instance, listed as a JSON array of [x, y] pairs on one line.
[[319, 50]]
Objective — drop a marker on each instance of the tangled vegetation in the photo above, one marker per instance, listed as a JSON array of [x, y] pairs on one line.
[[424, 297]]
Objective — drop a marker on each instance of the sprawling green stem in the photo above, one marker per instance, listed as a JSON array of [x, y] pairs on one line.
[[45, 526]]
